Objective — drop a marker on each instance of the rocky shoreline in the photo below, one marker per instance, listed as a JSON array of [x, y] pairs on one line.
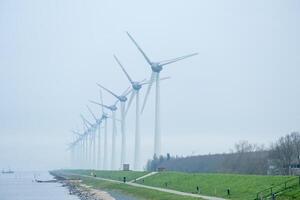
[[84, 192]]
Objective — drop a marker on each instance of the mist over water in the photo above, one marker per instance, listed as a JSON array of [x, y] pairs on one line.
[[21, 186]]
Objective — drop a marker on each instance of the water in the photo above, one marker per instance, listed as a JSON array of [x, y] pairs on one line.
[[20, 186]]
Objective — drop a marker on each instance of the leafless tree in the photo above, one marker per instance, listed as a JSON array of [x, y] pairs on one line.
[[283, 153], [296, 143]]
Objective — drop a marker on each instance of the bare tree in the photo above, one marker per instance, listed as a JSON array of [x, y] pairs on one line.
[[282, 153], [296, 143]]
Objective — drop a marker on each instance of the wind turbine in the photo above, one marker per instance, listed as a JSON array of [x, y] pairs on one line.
[[97, 127], [104, 117], [136, 86], [79, 148], [71, 148], [122, 98], [83, 139], [113, 109], [86, 129], [156, 68], [90, 130]]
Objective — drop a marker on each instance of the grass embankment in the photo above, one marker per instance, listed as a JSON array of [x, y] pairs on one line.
[[114, 175], [290, 194], [241, 186], [140, 193]]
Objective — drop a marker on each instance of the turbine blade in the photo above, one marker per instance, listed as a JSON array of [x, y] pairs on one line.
[[148, 82], [166, 62], [127, 91], [139, 48], [76, 133], [130, 101], [148, 91], [86, 120], [116, 102], [91, 112], [109, 91], [123, 69], [164, 78], [101, 99], [100, 104]]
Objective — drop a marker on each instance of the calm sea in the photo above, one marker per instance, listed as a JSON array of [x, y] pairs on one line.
[[21, 186]]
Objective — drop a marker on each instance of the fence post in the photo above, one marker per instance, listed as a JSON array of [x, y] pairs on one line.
[[271, 190], [285, 185]]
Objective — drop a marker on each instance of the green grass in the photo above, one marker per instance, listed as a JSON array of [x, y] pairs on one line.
[[140, 193], [241, 186], [290, 194], [114, 175]]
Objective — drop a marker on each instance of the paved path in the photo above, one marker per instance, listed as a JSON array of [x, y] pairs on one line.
[[155, 188], [142, 177]]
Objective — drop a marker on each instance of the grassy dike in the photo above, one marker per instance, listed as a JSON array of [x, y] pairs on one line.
[[139, 193], [291, 194], [242, 187], [114, 175]]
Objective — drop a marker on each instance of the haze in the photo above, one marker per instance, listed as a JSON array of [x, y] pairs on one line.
[[243, 85]]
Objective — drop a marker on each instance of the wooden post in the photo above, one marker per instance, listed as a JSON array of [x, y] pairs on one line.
[[284, 185], [271, 190]]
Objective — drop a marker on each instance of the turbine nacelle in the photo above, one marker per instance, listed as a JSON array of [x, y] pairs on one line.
[[122, 98], [94, 126], [104, 116], [112, 108], [136, 85], [156, 67]]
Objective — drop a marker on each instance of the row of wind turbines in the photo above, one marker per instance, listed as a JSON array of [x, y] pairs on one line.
[[86, 149]]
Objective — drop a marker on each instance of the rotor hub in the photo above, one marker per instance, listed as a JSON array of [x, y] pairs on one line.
[[113, 108], [136, 86], [104, 116], [156, 67], [123, 98]]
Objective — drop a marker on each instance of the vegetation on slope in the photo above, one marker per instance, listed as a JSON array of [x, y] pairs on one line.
[[114, 175], [241, 186], [290, 194], [140, 193]]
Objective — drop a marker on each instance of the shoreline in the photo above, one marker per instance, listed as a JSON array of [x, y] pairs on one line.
[[82, 191]]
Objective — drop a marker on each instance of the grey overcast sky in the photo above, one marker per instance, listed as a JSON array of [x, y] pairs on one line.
[[244, 84]]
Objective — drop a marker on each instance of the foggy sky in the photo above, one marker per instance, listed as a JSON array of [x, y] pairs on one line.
[[244, 84]]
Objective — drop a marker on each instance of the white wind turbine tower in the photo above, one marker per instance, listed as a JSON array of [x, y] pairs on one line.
[[86, 130], [136, 86], [72, 149], [113, 109], [80, 148], [96, 156], [122, 98], [156, 68], [104, 118], [91, 128]]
